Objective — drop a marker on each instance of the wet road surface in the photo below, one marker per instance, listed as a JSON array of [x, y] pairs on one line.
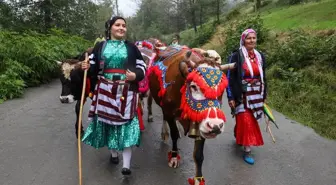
[[38, 147]]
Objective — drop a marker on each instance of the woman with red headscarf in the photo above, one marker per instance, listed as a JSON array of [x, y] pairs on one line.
[[247, 92]]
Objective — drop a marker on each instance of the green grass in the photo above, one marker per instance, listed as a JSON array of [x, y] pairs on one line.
[[314, 16], [312, 101]]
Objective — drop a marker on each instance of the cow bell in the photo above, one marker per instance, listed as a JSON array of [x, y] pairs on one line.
[[193, 130]]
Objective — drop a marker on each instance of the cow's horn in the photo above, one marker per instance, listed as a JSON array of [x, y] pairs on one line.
[[58, 62], [201, 51], [228, 66]]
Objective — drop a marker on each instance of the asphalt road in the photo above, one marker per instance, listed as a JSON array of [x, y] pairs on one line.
[[38, 147]]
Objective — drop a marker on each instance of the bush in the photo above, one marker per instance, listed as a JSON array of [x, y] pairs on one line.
[[302, 80], [301, 50], [28, 59], [11, 79]]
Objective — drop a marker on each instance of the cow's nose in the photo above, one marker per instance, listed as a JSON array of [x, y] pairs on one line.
[[216, 129], [64, 100]]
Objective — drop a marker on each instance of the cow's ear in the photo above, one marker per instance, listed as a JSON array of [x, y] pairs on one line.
[[184, 69], [186, 63]]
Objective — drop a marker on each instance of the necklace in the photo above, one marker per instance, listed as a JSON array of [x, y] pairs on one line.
[[251, 57]]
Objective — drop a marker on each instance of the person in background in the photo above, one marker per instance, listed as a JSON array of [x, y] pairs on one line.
[[176, 40]]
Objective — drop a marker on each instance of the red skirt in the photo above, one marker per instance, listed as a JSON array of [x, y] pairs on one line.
[[247, 130]]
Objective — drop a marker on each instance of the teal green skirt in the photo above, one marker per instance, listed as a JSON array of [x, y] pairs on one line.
[[118, 137]]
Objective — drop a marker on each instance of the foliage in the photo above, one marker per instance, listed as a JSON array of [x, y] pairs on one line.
[[302, 78], [11, 79], [201, 37], [302, 50], [161, 17], [312, 16], [28, 59], [84, 17], [233, 14]]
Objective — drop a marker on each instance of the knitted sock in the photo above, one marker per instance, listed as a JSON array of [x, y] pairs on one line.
[[247, 148], [114, 153], [127, 154]]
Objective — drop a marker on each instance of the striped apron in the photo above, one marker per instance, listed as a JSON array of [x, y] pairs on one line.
[[113, 103]]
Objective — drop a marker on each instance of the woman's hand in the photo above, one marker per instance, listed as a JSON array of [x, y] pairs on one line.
[[85, 63], [232, 103], [130, 76]]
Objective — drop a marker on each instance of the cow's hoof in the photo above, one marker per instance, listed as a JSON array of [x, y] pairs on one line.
[[150, 119], [196, 181], [173, 162]]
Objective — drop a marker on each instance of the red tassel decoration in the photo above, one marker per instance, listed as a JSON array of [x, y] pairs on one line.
[[141, 123], [191, 181], [170, 156], [87, 87]]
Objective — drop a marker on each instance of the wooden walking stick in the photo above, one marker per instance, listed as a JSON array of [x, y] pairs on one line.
[[80, 123], [268, 128]]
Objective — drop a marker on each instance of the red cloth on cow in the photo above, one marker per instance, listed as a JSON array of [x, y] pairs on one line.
[[87, 87], [141, 123]]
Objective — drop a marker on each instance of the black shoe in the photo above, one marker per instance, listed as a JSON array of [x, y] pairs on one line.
[[114, 160], [126, 171]]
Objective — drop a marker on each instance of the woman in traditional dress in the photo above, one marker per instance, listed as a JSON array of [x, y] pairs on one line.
[[115, 69], [247, 92]]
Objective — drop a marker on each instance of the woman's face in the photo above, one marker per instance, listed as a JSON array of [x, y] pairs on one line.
[[118, 29], [250, 41]]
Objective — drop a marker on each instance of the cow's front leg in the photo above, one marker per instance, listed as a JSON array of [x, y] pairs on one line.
[[149, 107], [165, 131], [173, 156], [198, 158], [77, 118]]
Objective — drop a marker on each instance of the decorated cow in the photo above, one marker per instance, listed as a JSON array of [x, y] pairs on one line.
[[188, 85]]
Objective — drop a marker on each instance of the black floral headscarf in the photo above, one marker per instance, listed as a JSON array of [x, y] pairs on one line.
[[108, 25]]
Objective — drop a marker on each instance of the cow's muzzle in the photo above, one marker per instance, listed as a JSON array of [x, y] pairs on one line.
[[211, 127], [67, 99]]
